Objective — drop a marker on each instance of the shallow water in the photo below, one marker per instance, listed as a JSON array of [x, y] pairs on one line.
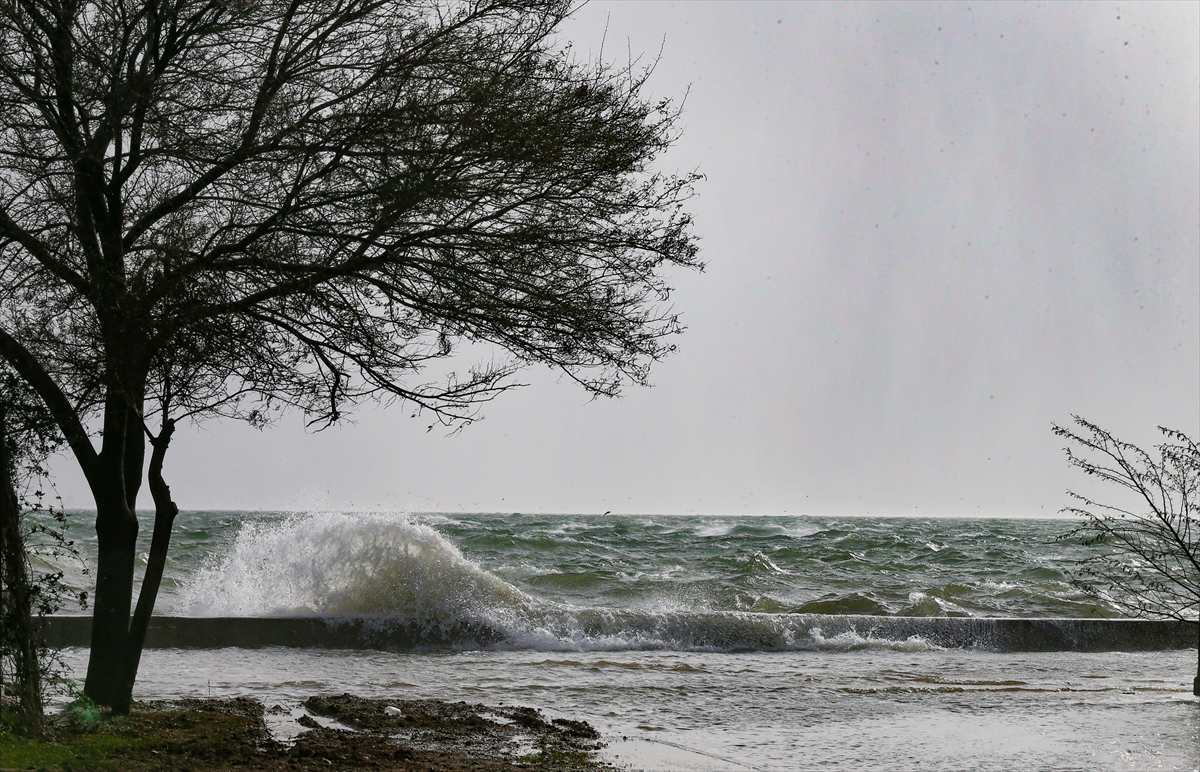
[[866, 709]]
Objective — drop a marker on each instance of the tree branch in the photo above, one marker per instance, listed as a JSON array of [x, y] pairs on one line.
[[30, 369]]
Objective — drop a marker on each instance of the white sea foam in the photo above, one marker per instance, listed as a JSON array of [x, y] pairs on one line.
[[802, 533], [760, 562], [852, 640], [393, 568]]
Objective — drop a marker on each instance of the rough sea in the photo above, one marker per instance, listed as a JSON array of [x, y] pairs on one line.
[[680, 637]]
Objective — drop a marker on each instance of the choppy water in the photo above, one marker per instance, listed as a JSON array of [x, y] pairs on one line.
[[574, 582], [671, 634], [269, 563]]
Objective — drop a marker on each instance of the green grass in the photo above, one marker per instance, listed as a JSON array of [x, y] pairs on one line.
[[111, 743], [93, 750]]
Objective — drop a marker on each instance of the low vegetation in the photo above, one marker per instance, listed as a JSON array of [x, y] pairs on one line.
[[202, 735]]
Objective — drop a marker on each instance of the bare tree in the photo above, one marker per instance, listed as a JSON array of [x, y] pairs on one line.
[[28, 527], [1147, 560], [218, 208]]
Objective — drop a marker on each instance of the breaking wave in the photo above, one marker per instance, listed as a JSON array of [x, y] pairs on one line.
[[342, 564]]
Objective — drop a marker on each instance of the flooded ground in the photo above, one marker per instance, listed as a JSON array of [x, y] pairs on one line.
[[868, 708]]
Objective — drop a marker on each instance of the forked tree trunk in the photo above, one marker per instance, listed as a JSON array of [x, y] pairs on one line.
[[27, 675], [115, 479]]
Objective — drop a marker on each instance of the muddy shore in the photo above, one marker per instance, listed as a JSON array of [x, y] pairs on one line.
[[342, 732]]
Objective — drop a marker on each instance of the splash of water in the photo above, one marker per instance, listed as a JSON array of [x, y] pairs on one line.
[[332, 564]]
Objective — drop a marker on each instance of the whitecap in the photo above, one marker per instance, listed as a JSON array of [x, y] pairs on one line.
[[802, 533], [852, 640]]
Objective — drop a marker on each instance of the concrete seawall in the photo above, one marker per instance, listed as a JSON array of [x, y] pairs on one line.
[[1011, 635]]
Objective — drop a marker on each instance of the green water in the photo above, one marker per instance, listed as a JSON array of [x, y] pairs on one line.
[[771, 564]]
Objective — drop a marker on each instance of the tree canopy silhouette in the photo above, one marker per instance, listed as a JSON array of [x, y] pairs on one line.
[[230, 208]]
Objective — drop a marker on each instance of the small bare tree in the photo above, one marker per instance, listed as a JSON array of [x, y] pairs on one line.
[[1148, 561], [28, 527]]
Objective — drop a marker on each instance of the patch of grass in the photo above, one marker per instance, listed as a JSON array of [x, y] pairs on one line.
[[111, 743], [95, 751]]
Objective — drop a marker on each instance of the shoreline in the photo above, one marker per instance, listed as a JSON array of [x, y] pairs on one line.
[[661, 711], [999, 634]]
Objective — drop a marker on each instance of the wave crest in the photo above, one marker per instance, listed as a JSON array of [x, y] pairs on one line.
[[341, 564]]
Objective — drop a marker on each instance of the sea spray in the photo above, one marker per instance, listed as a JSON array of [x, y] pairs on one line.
[[330, 564], [880, 566]]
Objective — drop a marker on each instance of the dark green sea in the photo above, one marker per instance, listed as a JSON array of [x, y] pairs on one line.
[[241, 563]]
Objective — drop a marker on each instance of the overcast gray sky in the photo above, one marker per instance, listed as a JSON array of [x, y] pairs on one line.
[[931, 230]]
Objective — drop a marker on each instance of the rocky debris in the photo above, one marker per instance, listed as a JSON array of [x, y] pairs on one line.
[[307, 722], [501, 733], [579, 729]]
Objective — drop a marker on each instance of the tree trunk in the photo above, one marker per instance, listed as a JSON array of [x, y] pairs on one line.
[[27, 670], [116, 528], [115, 483], [5, 634], [116, 532]]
